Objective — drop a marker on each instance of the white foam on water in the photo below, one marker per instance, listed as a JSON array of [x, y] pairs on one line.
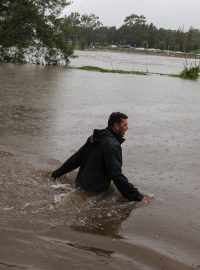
[[151, 196], [58, 198]]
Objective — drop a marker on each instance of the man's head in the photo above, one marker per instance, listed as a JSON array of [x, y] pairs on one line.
[[118, 122]]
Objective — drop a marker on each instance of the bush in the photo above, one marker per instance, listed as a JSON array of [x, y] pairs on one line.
[[191, 73]]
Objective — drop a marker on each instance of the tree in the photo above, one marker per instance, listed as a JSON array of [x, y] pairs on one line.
[[180, 39], [89, 23], [152, 35], [192, 39], [145, 44], [33, 26], [71, 27], [162, 45], [81, 29], [134, 30], [85, 30], [134, 20]]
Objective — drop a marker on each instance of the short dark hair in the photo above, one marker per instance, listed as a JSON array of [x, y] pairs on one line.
[[116, 117]]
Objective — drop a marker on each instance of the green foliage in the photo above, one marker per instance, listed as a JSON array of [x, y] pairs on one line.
[[197, 51], [12, 55], [81, 29], [134, 19], [191, 72], [33, 25], [162, 45], [135, 31], [98, 69]]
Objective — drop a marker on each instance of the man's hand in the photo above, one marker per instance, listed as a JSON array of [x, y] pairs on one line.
[[146, 199], [49, 175]]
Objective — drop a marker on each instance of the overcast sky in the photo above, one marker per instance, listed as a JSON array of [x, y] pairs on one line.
[[169, 14]]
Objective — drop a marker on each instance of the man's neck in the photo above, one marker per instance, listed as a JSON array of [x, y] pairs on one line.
[[120, 138]]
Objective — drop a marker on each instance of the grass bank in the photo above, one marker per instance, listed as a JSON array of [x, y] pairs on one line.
[[191, 73]]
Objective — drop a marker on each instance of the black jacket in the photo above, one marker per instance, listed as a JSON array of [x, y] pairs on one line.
[[100, 161]]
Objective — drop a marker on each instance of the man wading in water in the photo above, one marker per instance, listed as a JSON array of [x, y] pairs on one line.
[[100, 161]]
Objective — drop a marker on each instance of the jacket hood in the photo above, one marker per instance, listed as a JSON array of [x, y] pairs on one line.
[[100, 135]]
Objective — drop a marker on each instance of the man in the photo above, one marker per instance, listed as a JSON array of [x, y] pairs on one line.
[[100, 161]]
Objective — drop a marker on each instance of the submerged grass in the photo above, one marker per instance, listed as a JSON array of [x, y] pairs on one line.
[[191, 73], [98, 69]]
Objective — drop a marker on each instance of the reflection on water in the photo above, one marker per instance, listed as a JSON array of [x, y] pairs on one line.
[[46, 113]]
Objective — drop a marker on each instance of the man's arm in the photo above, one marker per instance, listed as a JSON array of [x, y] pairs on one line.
[[113, 162], [72, 163]]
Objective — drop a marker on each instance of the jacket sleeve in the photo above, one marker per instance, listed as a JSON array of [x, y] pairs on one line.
[[72, 163], [113, 163]]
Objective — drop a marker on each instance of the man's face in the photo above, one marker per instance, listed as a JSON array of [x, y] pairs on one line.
[[121, 128]]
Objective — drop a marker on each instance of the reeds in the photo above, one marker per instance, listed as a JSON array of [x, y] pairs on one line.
[[191, 72]]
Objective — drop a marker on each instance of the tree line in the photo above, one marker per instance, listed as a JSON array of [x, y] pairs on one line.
[[86, 30], [36, 27]]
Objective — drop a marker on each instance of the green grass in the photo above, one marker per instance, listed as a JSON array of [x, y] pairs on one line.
[[98, 69], [196, 52], [191, 73]]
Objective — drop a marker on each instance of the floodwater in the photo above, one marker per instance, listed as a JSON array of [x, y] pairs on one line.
[[46, 113], [132, 61]]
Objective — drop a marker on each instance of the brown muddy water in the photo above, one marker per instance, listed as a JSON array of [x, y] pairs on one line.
[[46, 113]]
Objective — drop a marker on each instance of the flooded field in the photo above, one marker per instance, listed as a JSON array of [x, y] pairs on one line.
[[132, 61], [46, 113]]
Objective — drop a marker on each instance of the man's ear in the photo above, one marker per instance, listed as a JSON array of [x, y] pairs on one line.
[[116, 126]]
